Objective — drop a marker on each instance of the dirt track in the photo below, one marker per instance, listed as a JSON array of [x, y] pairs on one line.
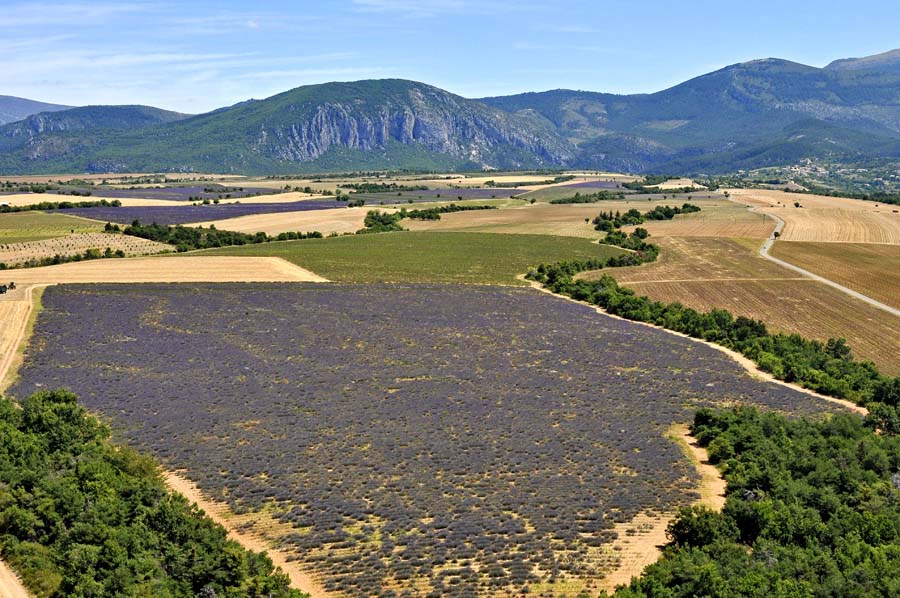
[[220, 513], [764, 251]]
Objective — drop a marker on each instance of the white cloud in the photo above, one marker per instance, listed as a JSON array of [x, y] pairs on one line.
[[37, 14]]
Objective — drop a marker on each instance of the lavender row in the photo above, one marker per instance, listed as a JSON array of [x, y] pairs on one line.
[[476, 439], [168, 215]]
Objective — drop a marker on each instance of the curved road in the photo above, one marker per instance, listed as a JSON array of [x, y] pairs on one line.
[[764, 251]]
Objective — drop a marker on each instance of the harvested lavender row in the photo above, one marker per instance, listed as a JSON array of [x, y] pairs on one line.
[[168, 215], [475, 439]]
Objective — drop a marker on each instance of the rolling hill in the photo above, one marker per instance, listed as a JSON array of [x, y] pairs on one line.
[[13, 108], [748, 115]]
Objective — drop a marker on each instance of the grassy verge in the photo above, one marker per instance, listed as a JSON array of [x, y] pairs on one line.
[[469, 258]]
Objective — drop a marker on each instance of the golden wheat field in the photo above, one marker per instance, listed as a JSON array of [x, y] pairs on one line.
[[185, 268], [826, 219], [873, 270], [338, 220]]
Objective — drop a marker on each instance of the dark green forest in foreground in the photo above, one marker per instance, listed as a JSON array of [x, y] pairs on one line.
[[813, 509], [82, 518]]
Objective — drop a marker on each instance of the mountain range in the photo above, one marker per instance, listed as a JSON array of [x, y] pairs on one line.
[[13, 108], [748, 115]]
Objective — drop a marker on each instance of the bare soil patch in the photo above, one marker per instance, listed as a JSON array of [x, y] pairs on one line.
[[10, 584]]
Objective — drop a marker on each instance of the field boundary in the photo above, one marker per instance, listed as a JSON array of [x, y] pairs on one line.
[[8, 362], [645, 548], [743, 361], [218, 512], [11, 585]]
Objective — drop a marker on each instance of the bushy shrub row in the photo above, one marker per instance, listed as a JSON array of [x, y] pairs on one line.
[[188, 238]]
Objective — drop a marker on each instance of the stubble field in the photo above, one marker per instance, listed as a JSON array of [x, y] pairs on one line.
[[873, 270]]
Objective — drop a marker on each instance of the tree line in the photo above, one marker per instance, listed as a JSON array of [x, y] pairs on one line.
[[80, 517], [89, 254], [588, 197], [186, 238], [61, 205], [812, 509]]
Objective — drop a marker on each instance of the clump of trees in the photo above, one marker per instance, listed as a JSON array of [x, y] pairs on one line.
[[81, 517], [588, 197], [187, 238], [813, 509], [377, 221]]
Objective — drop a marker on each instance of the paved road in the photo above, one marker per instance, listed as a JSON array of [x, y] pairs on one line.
[[764, 251]]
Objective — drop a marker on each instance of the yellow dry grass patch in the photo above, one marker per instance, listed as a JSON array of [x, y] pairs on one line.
[[701, 258], [677, 184], [194, 268], [716, 219], [826, 219], [873, 270], [569, 219], [15, 253], [13, 316], [338, 220]]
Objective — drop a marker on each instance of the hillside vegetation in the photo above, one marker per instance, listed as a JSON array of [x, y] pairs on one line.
[[748, 115]]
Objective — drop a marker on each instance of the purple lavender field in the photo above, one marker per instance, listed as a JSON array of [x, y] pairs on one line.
[[594, 185], [181, 193], [478, 439], [436, 195], [168, 215]]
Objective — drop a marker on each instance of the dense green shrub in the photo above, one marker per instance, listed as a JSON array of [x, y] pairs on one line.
[[813, 509], [81, 517]]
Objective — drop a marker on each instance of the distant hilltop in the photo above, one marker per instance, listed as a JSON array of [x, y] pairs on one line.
[[766, 112]]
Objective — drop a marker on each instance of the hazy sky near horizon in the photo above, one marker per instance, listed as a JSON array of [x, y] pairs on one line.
[[194, 56]]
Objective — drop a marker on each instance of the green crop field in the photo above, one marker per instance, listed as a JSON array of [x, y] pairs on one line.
[[19, 227], [471, 258]]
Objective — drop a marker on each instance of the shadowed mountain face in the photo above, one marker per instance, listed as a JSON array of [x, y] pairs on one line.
[[764, 112], [13, 108]]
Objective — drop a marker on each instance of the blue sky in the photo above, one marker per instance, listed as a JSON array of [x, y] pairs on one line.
[[197, 56]]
